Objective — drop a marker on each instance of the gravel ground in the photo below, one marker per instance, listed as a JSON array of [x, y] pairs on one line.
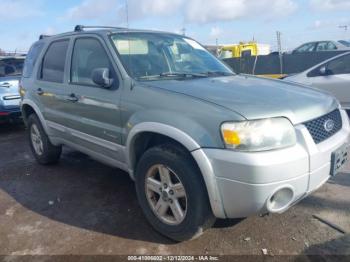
[[81, 207]]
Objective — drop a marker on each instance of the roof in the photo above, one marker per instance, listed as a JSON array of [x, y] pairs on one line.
[[102, 30]]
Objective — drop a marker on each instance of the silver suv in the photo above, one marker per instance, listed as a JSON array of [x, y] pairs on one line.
[[199, 141]]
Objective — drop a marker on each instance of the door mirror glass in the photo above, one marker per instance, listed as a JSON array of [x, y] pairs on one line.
[[100, 76], [323, 71]]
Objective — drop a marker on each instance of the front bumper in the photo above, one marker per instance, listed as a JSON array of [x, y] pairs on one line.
[[272, 181]]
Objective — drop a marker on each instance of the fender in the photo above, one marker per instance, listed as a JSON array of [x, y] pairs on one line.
[[192, 146], [37, 111]]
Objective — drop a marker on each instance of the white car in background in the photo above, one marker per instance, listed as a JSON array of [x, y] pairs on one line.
[[332, 75], [320, 46]]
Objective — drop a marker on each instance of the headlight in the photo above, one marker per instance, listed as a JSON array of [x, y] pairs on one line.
[[259, 135]]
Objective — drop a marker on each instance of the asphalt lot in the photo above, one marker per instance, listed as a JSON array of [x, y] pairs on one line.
[[83, 207]]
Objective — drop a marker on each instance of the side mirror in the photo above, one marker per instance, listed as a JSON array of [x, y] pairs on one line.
[[100, 76], [324, 71]]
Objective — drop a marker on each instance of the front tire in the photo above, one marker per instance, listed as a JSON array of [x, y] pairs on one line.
[[44, 152], [172, 193]]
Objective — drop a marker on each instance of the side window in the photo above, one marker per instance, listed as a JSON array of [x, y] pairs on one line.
[[31, 58], [325, 46], [335, 67], [88, 54], [54, 61], [306, 48], [331, 46], [339, 66]]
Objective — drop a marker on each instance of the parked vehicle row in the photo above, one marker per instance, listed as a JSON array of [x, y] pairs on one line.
[[199, 141], [10, 74]]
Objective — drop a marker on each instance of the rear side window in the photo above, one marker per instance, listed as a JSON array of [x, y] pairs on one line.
[[326, 46], [52, 69], [31, 58]]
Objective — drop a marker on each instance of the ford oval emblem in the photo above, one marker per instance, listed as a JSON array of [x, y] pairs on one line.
[[329, 125]]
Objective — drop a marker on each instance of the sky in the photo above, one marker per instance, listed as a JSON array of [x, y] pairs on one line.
[[208, 21]]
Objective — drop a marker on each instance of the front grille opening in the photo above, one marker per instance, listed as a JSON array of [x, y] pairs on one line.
[[317, 127]]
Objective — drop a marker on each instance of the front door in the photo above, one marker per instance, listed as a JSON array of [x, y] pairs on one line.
[[94, 120], [337, 80]]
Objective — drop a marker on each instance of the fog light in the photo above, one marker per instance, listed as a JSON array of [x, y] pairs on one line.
[[280, 200]]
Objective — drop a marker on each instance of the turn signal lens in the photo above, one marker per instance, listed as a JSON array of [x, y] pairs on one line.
[[231, 137]]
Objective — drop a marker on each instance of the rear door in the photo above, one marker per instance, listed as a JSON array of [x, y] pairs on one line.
[[51, 89], [94, 119], [336, 81]]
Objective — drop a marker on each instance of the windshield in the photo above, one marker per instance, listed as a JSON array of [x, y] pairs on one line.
[[152, 55], [11, 67]]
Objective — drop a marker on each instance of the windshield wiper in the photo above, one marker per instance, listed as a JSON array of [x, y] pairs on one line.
[[174, 74], [182, 74], [218, 73]]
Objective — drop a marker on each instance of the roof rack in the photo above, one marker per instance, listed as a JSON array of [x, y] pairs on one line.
[[43, 36], [79, 28]]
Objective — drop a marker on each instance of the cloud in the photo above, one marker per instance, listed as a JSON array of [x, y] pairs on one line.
[[157, 7], [206, 11], [91, 9], [19, 9], [198, 11], [330, 5], [191, 11]]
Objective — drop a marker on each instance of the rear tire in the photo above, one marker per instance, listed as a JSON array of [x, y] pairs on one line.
[[44, 152], [178, 209]]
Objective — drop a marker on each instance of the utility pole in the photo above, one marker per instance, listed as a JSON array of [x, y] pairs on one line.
[[279, 45]]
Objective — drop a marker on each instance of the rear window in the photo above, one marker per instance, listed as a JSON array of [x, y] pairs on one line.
[[11, 67], [31, 59], [54, 61]]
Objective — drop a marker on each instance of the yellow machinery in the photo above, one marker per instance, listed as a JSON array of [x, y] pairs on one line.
[[247, 49], [232, 51]]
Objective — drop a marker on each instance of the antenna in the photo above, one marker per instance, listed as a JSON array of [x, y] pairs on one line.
[[127, 13]]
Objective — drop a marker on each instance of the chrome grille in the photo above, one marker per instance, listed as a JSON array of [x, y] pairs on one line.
[[320, 128]]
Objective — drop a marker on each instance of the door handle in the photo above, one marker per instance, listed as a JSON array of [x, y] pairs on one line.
[[39, 91], [72, 98], [5, 84]]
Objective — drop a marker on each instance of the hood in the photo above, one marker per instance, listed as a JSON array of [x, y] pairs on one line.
[[255, 98]]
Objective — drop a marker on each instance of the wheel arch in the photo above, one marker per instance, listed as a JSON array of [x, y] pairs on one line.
[[28, 108], [136, 146]]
